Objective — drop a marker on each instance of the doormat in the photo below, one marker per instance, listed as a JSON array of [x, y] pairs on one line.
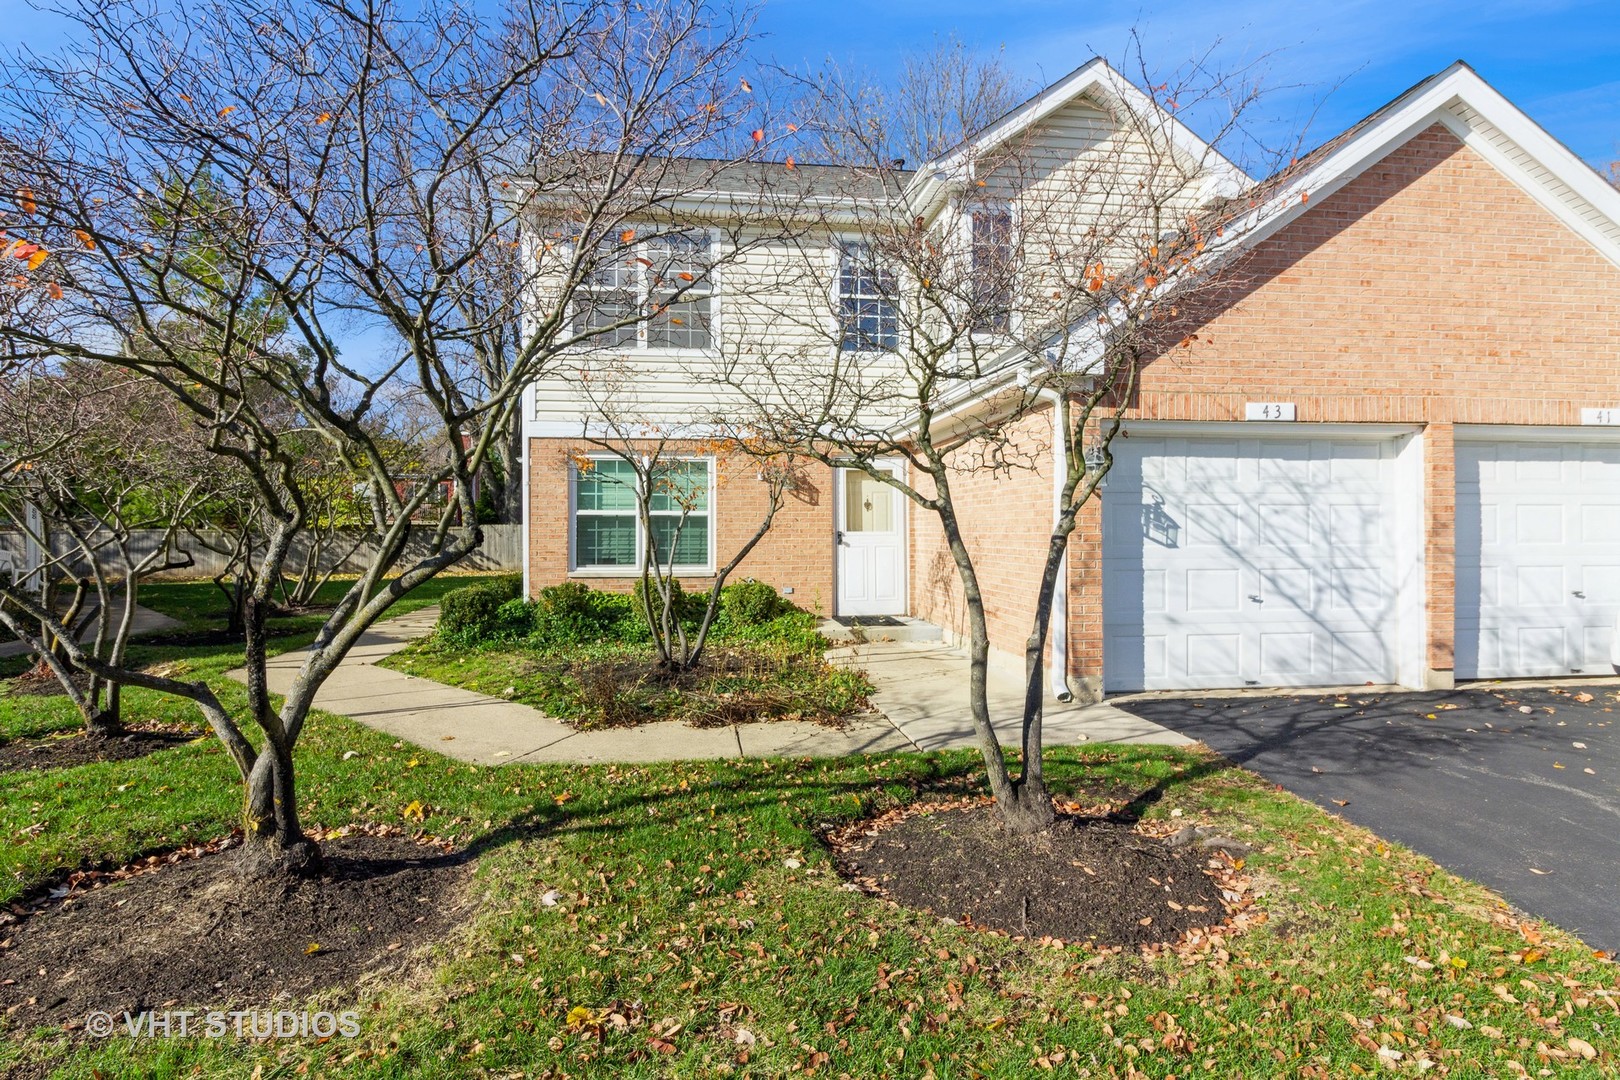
[[867, 620]]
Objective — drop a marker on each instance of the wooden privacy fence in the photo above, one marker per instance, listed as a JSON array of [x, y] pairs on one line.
[[502, 549]]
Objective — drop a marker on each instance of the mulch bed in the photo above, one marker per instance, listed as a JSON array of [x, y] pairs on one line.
[[1090, 879], [39, 681], [186, 930], [77, 748]]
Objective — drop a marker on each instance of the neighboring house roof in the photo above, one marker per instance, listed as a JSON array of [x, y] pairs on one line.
[[727, 187], [1456, 98]]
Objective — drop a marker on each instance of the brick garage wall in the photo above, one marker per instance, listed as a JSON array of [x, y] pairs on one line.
[[797, 553], [1431, 290], [1006, 516]]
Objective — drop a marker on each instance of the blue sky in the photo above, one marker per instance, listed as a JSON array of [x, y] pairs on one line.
[[1559, 60]]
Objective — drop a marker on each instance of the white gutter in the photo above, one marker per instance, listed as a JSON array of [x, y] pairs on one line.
[[1058, 622]]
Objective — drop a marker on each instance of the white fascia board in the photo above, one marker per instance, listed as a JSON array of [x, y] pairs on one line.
[[594, 429]]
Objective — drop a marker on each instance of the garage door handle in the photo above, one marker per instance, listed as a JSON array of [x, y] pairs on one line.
[[1578, 595], [1257, 600]]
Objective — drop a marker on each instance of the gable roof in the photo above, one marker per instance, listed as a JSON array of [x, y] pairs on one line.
[[1099, 82], [1456, 98], [1483, 120]]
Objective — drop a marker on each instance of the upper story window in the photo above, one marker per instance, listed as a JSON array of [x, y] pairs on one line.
[[869, 319], [992, 268], [656, 294]]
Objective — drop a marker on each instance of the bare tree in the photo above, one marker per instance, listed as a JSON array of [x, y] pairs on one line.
[[225, 191], [103, 505], [666, 481], [1005, 281]]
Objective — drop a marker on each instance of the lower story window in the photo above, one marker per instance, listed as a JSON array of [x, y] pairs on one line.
[[608, 534]]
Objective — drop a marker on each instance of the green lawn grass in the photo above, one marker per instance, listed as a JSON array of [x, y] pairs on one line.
[[695, 904]]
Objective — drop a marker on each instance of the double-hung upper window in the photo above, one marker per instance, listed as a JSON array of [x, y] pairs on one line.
[[656, 294], [992, 249], [869, 319], [608, 532]]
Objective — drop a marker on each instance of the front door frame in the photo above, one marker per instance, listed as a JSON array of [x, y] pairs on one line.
[[903, 521]]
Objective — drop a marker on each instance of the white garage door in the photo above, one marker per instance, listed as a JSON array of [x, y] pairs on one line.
[[1249, 562], [1538, 558]]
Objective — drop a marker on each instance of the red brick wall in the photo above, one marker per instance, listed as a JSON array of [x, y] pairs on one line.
[[1430, 290], [796, 553], [1006, 517]]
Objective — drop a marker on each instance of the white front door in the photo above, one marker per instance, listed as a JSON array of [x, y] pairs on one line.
[[1234, 562], [1538, 558], [871, 541]]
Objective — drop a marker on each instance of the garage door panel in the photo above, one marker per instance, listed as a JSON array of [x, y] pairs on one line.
[[1354, 466], [1213, 525], [1287, 466], [1266, 560], [1533, 463], [1597, 645], [1285, 527], [1538, 586], [1358, 524], [1601, 466], [1283, 655], [1600, 523], [1206, 463], [1601, 583], [1538, 523], [1293, 587], [1538, 557], [1212, 590], [1213, 655], [1359, 655]]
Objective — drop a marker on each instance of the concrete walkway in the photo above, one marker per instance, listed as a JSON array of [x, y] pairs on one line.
[[146, 621], [923, 689], [491, 731], [920, 703]]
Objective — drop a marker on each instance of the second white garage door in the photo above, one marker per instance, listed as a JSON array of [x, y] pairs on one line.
[[1538, 556], [1235, 562]]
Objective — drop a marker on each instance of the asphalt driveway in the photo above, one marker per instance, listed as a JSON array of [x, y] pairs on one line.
[[1517, 788]]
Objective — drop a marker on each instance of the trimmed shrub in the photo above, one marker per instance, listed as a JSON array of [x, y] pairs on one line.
[[752, 603], [573, 614], [473, 611]]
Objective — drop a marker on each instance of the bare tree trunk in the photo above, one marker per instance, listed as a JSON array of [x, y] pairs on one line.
[[509, 498], [1025, 804], [273, 840]]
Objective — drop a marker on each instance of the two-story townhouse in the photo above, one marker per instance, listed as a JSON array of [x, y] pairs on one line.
[[1394, 457]]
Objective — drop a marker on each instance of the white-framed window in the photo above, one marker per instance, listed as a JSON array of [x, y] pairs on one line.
[[991, 240], [606, 530], [664, 283], [868, 317]]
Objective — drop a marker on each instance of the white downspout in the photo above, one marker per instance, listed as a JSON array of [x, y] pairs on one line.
[[1058, 627]]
